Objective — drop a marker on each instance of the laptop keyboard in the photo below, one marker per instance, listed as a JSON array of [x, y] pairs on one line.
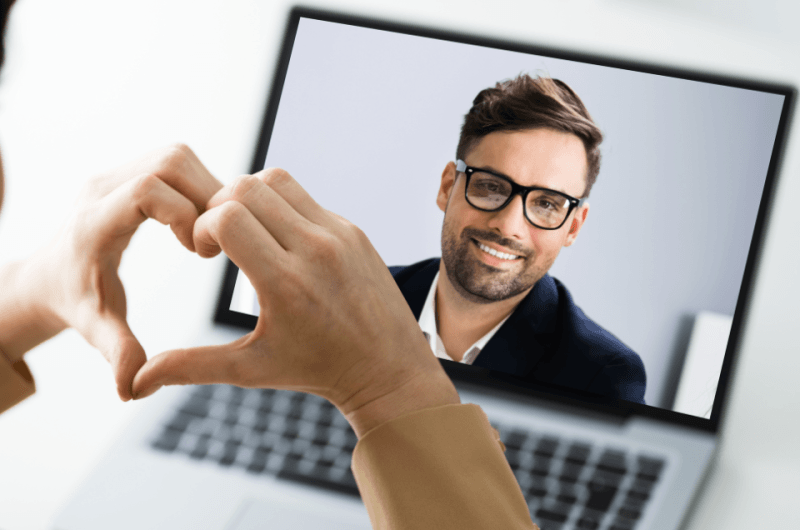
[[303, 438]]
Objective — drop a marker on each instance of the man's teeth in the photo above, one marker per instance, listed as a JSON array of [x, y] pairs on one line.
[[493, 252]]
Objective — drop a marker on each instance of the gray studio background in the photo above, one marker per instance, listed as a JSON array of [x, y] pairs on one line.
[[368, 120]]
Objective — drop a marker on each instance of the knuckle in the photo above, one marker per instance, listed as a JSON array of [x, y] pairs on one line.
[[325, 246], [95, 183], [180, 149], [229, 217], [354, 232], [145, 185], [275, 177], [176, 156], [95, 187], [243, 185], [352, 235]]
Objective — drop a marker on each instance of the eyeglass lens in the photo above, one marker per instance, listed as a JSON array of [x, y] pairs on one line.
[[544, 208]]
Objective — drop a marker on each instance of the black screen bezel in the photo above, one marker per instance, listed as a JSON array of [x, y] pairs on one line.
[[502, 381]]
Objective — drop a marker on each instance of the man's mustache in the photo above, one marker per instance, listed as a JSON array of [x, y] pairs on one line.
[[493, 237]]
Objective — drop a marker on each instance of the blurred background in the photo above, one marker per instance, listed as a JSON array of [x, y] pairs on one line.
[[90, 84]]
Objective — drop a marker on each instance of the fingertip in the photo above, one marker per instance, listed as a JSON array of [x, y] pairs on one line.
[[147, 392], [126, 358], [221, 195], [125, 394], [186, 238]]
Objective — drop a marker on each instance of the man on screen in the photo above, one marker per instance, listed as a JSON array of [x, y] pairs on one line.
[[527, 158]]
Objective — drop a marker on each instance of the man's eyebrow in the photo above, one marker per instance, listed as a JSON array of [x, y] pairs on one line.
[[490, 169]]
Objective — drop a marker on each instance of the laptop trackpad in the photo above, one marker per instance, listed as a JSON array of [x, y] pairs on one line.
[[260, 514]]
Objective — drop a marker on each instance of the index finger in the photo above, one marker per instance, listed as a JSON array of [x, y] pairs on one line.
[[280, 181], [177, 166]]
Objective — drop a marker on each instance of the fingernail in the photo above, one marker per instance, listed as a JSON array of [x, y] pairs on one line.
[[147, 392]]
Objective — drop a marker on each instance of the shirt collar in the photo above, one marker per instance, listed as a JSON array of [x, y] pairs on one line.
[[427, 322]]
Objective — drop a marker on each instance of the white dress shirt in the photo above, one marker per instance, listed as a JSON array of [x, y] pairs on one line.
[[427, 321]]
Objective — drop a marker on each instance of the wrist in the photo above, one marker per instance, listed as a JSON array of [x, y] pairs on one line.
[[26, 315], [424, 389]]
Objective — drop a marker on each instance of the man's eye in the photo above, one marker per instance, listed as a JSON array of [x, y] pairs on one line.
[[488, 186]]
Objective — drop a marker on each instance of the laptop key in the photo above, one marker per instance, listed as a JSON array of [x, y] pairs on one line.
[[606, 478], [570, 473], [641, 487], [350, 440], [613, 461], [629, 513], [259, 461], [600, 496], [291, 471], [201, 447], [541, 466], [578, 453], [546, 447], [567, 494], [546, 524], [229, 453], [180, 421], [513, 457], [558, 513], [538, 487], [649, 468], [590, 519], [515, 440], [196, 407], [204, 391], [168, 440], [622, 525]]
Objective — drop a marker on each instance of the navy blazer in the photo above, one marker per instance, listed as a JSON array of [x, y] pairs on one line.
[[547, 339]]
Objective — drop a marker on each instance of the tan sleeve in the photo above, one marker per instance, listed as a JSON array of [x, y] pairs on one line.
[[16, 383], [438, 468]]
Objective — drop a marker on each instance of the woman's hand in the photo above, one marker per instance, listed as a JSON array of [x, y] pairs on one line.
[[333, 321], [73, 282]]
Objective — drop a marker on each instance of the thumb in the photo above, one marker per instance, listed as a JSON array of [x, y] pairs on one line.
[[114, 338], [222, 364]]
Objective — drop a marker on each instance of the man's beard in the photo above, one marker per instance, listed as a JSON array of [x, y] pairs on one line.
[[478, 282]]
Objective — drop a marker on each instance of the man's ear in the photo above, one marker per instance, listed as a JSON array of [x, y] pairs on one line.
[[576, 224], [446, 186]]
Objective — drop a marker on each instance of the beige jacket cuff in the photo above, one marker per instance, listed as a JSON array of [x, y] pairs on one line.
[[16, 382], [438, 468]]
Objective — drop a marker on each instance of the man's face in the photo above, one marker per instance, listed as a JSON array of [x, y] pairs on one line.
[[538, 157]]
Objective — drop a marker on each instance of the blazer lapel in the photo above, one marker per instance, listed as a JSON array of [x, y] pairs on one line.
[[528, 337], [415, 283]]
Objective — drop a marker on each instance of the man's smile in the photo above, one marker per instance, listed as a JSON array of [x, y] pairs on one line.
[[496, 253], [489, 255]]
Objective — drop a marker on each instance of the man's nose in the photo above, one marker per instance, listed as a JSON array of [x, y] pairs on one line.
[[510, 221]]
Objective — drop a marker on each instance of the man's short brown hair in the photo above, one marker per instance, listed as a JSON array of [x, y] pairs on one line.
[[526, 103]]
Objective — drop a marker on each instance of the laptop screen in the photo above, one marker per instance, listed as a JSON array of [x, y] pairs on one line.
[[629, 288]]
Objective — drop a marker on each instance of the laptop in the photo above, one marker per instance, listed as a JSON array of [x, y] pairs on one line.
[[366, 114]]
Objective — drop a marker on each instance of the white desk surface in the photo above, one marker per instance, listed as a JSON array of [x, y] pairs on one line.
[[91, 84]]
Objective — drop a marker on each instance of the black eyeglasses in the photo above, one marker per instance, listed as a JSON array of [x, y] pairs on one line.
[[544, 208]]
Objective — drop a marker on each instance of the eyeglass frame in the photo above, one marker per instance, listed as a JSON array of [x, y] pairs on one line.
[[516, 189]]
